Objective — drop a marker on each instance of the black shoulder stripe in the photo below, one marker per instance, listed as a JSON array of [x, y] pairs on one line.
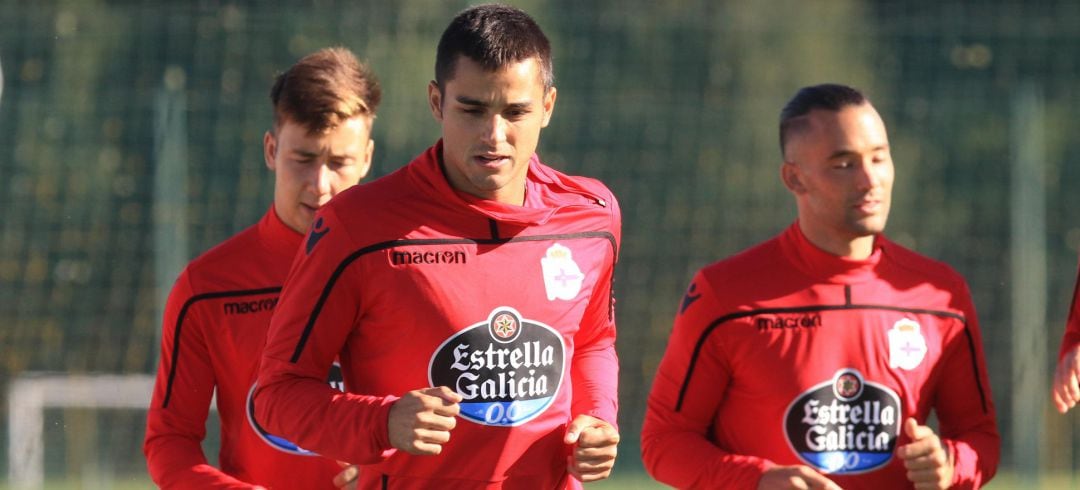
[[425, 242], [802, 309], [180, 323]]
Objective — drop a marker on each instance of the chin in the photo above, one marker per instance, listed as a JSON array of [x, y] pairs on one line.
[[867, 229]]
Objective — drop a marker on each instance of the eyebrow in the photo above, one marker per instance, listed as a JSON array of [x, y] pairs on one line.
[[305, 153], [848, 152], [462, 99]]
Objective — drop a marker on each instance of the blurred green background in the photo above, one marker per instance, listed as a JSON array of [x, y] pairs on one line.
[[130, 142]]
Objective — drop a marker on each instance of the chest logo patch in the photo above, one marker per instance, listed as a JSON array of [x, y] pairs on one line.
[[507, 368], [907, 347], [334, 379], [845, 426], [562, 276]]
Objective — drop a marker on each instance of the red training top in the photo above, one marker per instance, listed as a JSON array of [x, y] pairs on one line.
[[785, 354], [214, 329], [417, 285], [1072, 327]]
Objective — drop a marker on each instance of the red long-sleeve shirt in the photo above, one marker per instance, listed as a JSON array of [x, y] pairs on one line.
[[785, 354], [418, 285], [214, 328], [1072, 326]]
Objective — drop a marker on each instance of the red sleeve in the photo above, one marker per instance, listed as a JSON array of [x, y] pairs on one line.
[[965, 409], [595, 368], [675, 446], [317, 309], [1072, 328], [176, 422]]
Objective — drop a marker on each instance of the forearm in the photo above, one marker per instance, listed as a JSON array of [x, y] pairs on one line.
[[177, 461], [595, 376], [975, 457], [685, 459], [307, 411]]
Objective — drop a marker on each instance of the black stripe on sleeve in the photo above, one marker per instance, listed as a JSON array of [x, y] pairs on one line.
[[975, 367], [803, 309], [494, 226], [427, 242], [180, 323]]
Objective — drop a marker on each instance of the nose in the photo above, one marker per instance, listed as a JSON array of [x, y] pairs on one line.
[[495, 130], [321, 179], [867, 177]]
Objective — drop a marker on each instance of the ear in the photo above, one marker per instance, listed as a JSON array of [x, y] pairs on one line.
[[365, 166], [434, 94], [789, 173], [549, 106], [270, 150]]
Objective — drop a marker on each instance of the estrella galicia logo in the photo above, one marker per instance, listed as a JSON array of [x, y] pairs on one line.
[[336, 381], [317, 232], [845, 426], [507, 368]]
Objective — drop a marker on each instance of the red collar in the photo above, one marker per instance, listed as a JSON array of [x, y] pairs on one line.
[[277, 236], [546, 191], [823, 265]]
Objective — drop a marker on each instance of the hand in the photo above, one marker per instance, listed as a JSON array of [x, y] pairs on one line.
[[595, 446], [928, 465], [420, 421], [347, 478], [1066, 387], [796, 477]]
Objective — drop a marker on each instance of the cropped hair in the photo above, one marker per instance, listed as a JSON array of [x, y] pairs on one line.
[[494, 36], [324, 89], [829, 96]]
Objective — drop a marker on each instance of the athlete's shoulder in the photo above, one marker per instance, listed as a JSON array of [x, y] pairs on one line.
[[756, 260], [575, 183], [916, 265], [376, 211], [221, 265], [392, 186]]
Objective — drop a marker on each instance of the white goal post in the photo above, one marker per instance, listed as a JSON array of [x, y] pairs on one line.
[[31, 393]]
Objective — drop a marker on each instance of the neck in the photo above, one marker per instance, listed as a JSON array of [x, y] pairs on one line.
[[855, 248]]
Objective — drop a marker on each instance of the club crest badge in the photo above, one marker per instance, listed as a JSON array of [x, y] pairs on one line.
[[907, 347], [562, 276]]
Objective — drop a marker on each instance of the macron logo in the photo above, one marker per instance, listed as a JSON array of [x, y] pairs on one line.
[[690, 298], [317, 232]]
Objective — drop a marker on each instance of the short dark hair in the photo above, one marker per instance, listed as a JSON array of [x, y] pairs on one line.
[[324, 89], [827, 96], [494, 36]]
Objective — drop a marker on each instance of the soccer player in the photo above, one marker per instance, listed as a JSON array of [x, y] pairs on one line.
[[468, 295], [814, 359], [219, 310], [1066, 388]]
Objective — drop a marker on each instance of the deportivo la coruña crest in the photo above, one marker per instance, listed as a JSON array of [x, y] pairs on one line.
[[507, 368]]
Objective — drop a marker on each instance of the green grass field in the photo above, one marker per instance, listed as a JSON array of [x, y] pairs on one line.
[[626, 481]]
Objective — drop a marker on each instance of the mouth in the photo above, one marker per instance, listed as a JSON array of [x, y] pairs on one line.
[[868, 206], [491, 160]]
